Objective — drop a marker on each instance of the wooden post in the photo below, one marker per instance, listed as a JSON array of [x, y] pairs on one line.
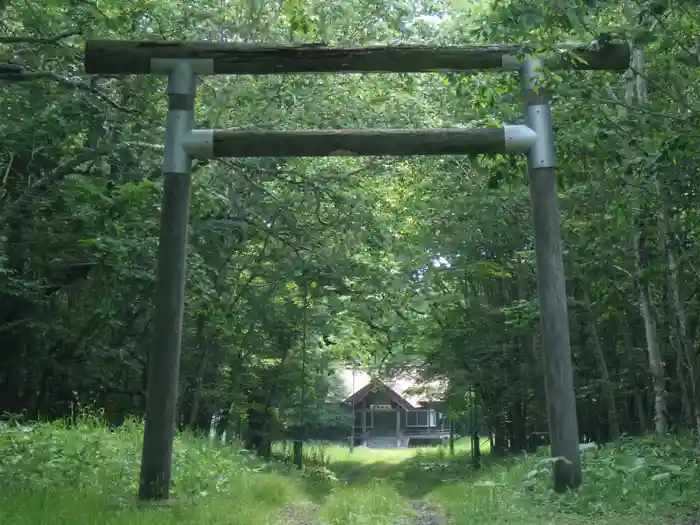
[[115, 57], [452, 436], [298, 447], [364, 423], [352, 426], [398, 426], [554, 320], [298, 453], [474, 433], [164, 359], [476, 449]]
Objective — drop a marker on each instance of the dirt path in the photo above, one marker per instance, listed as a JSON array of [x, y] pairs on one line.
[[423, 512], [307, 514], [427, 513], [298, 514]]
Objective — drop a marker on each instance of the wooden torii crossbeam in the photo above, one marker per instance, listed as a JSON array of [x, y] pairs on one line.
[[183, 61], [213, 143], [152, 57]]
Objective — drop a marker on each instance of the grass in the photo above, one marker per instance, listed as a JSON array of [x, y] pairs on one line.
[[643, 481], [412, 472], [327, 453], [379, 503], [80, 472], [84, 473]]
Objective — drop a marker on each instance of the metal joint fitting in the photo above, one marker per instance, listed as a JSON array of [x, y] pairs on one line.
[[538, 115], [182, 85], [518, 138]]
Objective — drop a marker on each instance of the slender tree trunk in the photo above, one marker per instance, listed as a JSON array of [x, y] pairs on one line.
[[640, 409], [606, 385], [655, 361], [637, 93], [638, 404], [264, 441], [500, 431], [201, 370], [685, 360], [518, 429]]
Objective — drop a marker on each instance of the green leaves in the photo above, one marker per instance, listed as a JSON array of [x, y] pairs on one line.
[[301, 23], [418, 264]]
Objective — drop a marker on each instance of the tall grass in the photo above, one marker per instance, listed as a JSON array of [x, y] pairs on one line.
[[323, 453], [80, 471], [375, 503], [642, 481]]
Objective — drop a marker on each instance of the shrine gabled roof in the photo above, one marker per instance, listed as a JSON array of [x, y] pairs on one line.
[[375, 385]]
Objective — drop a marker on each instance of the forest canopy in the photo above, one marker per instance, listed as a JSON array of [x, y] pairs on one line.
[[298, 267]]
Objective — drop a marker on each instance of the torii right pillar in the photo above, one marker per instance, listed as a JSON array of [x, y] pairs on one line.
[[551, 283]]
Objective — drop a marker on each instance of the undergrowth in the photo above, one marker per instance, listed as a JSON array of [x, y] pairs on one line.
[[643, 480], [81, 471]]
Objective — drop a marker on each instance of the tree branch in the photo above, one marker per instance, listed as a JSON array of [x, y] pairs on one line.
[[39, 40], [10, 72]]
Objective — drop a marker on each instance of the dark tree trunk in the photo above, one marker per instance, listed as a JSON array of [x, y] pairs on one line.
[[223, 425], [518, 427], [500, 435], [640, 407], [13, 356]]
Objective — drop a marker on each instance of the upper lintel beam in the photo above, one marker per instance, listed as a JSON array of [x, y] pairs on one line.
[[148, 57]]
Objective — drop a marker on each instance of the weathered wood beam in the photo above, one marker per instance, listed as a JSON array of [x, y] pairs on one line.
[[551, 284], [207, 143], [156, 57]]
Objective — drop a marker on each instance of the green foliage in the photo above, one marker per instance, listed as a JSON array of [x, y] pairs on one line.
[[299, 266], [376, 503], [647, 475], [85, 454], [642, 480], [81, 470]]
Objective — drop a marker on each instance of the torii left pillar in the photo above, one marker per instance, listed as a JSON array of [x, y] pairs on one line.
[[164, 357]]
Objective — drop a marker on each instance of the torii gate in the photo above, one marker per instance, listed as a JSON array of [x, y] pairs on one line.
[[183, 61]]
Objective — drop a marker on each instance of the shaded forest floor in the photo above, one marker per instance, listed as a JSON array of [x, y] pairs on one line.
[[84, 473]]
